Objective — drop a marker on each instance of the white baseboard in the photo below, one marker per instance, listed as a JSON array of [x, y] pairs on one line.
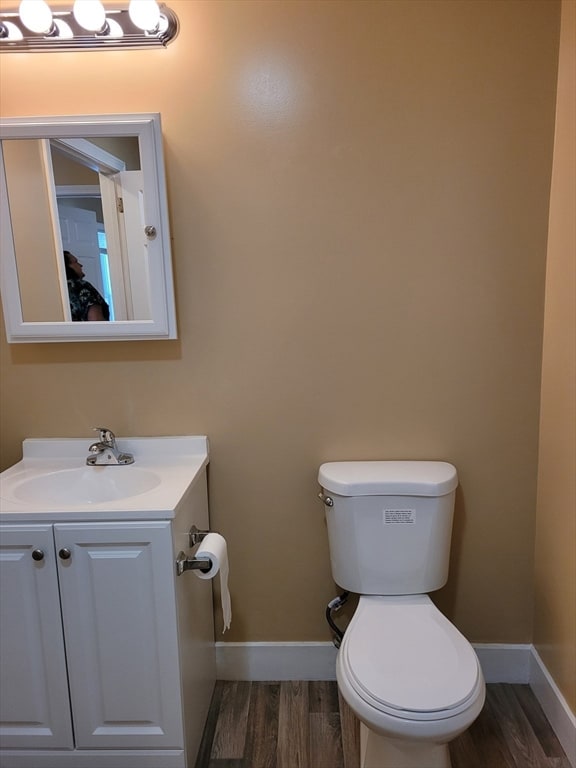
[[317, 661], [555, 706], [503, 663], [275, 661]]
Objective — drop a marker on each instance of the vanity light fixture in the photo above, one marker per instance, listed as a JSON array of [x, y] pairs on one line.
[[87, 25], [90, 15]]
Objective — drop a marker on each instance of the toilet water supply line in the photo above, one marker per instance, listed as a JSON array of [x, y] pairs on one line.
[[333, 606]]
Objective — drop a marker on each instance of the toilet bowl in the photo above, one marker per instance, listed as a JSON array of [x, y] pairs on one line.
[[407, 673], [411, 678]]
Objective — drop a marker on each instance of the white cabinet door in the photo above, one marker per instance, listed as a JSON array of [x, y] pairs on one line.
[[34, 704], [119, 614]]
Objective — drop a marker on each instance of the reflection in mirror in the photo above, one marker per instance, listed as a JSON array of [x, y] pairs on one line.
[[97, 191]]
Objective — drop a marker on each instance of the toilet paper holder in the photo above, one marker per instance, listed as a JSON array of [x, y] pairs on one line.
[[186, 562], [195, 536]]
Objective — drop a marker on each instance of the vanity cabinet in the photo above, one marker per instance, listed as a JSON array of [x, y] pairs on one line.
[[106, 657]]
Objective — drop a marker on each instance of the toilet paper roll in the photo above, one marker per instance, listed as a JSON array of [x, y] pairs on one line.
[[213, 547]]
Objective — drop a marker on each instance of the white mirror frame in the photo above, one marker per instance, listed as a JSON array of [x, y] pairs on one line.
[[162, 325]]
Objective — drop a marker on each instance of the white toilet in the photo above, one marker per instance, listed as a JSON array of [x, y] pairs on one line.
[[407, 673]]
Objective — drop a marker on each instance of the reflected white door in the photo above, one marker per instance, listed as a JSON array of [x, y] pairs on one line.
[[124, 219], [136, 242], [79, 230]]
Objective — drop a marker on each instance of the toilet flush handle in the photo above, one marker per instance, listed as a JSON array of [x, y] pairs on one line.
[[326, 499]]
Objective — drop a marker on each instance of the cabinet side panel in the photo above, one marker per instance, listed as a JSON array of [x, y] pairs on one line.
[[34, 703], [195, 623]]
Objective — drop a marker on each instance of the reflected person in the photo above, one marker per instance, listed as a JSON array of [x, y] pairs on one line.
[[86, 303]]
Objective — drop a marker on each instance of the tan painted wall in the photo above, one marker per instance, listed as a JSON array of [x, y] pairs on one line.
[[25, 165], [555, 569], [359, 199]]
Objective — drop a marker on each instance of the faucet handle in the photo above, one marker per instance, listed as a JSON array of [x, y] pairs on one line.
[[106, 435]]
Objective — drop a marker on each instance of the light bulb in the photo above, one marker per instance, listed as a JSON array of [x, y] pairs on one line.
[[64, 29], [114, 29], [90, 14], [36, 15], [162, 24], [144, 14], [11, 31]]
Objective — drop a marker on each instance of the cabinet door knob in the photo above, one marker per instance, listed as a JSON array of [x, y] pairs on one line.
[[65, 553], [37, 554]]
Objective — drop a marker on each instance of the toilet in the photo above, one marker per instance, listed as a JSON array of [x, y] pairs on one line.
[[407, 673]]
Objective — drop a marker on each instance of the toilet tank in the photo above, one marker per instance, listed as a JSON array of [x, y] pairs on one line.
[[389, 524]]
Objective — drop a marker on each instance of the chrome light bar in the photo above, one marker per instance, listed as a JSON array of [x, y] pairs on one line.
[[65, 34]]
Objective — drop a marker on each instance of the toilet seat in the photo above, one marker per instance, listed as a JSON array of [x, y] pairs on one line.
[[403, 657]]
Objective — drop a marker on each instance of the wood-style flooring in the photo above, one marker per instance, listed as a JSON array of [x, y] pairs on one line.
[[299, 724]]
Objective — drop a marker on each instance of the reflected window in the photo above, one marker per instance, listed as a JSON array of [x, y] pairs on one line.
[[105, 270]]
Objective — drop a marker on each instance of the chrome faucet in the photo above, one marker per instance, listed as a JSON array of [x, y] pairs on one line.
[[105, 451]]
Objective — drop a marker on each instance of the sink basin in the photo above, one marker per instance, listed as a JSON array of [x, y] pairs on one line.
[[52, 481], [86, 485]]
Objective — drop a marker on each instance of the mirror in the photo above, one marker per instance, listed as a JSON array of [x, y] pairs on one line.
[[94, 187]]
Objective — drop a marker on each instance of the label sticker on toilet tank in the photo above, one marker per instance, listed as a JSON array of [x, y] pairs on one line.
[[399, 516]]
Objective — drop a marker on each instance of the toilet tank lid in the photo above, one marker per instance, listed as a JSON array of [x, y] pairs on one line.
[[388, 478]]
